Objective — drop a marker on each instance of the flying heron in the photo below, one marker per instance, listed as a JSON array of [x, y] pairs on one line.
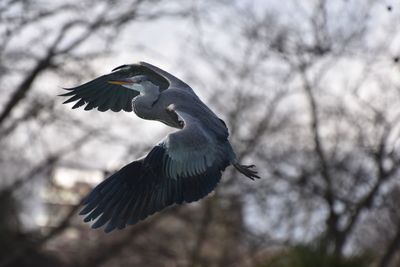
[[184, 167]]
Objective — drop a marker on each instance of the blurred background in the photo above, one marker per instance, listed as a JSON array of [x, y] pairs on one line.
[[310, 91]]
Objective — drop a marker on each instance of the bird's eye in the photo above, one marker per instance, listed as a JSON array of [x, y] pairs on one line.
[[139, 79]]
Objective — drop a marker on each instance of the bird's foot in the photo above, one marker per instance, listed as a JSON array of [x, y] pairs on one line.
[[247, 170]]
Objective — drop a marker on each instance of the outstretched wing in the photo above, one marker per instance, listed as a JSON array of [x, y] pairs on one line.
[[172, 80], [102, 95], [185, 167]]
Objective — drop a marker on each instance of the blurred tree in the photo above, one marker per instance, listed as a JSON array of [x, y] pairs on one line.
[[305, 256], [42, 42], [310, 89]]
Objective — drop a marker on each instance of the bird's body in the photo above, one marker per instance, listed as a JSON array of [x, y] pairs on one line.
[[159, 110], [183, 167]]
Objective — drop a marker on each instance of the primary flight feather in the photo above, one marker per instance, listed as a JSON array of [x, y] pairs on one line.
[[184, 167]]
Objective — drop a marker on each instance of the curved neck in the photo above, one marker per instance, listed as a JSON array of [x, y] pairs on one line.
[[143, 103]]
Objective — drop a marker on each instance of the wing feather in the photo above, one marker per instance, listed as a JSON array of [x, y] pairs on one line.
[[102, 95], [149, 185], [185, 167], [192, 149]]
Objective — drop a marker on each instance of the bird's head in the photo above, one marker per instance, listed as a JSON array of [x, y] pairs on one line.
[[138, 83]]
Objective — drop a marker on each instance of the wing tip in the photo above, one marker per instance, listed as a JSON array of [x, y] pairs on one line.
[[109, 228]]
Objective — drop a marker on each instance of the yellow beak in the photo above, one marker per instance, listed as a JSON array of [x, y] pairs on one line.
[[121, 82]]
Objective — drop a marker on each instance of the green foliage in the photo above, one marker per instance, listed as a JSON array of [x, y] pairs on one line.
[[313, 256]]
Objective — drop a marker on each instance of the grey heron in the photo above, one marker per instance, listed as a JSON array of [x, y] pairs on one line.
[[184, 167]]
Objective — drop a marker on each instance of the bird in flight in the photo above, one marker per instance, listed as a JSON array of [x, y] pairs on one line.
[[184, 167]]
